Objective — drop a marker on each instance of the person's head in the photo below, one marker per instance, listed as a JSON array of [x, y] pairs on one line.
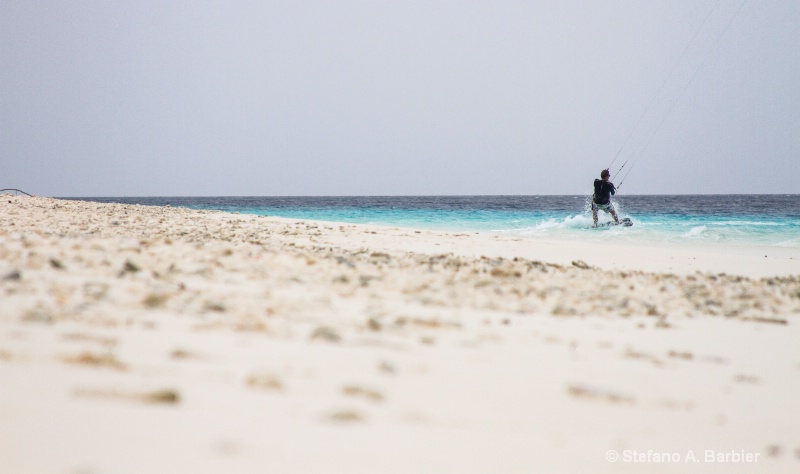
[[605, 174]]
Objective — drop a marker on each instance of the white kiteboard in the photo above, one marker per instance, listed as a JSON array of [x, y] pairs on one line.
[[625, 221]]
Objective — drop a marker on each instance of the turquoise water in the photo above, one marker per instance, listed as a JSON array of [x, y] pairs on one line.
[[748, 220]]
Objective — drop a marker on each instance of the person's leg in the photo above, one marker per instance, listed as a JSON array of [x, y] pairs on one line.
[[614, 215], [594, 215]]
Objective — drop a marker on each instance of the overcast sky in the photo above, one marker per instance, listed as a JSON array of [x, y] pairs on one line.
[[199, 98]]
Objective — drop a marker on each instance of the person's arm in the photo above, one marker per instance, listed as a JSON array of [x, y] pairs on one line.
[[613, 188]]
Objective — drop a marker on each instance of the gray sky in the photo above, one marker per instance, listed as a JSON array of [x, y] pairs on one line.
[[397, 97]]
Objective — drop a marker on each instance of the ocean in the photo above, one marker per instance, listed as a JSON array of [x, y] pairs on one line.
[[747, 220]]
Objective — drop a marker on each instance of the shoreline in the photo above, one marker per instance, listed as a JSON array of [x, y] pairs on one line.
[[677, 258], [753, 261], [160, 339], [649, 255], [702, 232]]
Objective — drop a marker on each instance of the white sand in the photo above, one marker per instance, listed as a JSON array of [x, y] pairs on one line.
[[144, 339]]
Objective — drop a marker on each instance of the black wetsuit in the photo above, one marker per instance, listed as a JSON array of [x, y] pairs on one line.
[[603, 190]]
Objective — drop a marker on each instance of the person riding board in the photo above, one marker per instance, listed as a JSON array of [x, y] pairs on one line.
[[603, 190]]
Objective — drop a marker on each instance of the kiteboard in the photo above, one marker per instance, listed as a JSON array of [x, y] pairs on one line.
[[625, 222]]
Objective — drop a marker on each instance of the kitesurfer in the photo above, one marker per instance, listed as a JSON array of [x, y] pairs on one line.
[[601, 199]]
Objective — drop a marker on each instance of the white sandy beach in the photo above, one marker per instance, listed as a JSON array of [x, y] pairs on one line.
[[156, 339]]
